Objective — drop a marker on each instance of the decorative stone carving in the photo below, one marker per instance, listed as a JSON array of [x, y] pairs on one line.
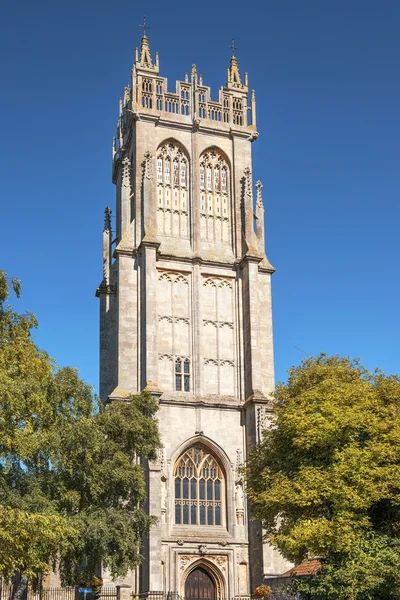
[[181, 279], [164, 495], [185, 561], [239, 502], [203, 548], [259, 200], [221, 363], [217, 281], [239, 462], [261, 415], [126, 173], [242, 556], [165, 276], [147, 166], [180, 542]]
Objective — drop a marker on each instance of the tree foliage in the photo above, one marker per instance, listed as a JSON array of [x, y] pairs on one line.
[[71, 485], [325, 480]]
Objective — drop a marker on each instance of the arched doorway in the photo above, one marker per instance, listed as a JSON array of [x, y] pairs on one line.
[[199, 585]]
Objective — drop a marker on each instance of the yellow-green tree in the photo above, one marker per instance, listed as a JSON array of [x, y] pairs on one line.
[[71, 487], [325, 480]]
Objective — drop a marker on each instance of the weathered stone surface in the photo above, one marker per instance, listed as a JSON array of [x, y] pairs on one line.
[[189, 317]]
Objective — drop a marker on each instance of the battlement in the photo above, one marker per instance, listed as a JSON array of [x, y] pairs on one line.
[[191, 102], [190, 99]]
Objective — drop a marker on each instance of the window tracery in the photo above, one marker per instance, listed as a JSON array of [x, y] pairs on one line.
[[214, 196], [172, 191], [147, 93], [199, 489]]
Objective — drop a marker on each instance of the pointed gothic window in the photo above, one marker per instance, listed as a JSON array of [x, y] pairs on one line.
[[214, 208], [199, 489], [172, 191]]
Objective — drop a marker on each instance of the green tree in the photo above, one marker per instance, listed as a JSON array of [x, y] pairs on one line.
[[325, 480], [71, 484]]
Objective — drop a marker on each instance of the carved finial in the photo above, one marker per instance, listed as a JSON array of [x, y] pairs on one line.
[[234, 80], [234, 75], [107, 219], [259, 200]]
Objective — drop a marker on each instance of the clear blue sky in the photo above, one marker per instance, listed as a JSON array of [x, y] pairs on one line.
[[327, 80]]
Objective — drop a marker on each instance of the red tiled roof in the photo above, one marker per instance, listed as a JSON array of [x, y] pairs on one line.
[[307, 567]]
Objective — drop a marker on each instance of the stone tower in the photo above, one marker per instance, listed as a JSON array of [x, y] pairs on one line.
[[185, 312]]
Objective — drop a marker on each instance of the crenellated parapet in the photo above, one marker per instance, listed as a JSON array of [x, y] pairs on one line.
[[148, 97]]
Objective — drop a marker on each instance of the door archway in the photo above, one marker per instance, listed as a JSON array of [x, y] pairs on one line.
[[199, 585]]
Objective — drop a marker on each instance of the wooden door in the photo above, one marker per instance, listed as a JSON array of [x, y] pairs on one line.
[[199, 586]]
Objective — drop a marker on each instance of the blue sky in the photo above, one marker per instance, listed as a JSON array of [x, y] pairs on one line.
[[328, 91]]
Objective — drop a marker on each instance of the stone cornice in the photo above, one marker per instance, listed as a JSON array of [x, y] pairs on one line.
[[257, 398], [215, 128], [194, 259], [251, 258], [148, 243], [103, 288], [212, 402]]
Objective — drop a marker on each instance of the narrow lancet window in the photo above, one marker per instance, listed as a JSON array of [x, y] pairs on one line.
[[186, 375], [216, 180], [159, 170], [223, 180], [167, 172], [183, 173], [202, 177], [178, 375], [209, 180], [176, 167]]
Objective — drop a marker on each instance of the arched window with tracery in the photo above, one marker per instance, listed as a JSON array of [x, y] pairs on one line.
[[214, 197], [199, 488], [172, 191]]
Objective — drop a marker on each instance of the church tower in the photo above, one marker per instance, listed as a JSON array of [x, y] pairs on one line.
[[185, 313]]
